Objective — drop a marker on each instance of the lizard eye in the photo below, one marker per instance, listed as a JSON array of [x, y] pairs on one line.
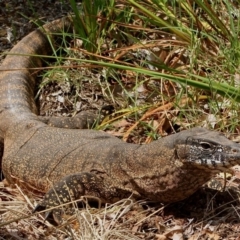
[[205, 145]]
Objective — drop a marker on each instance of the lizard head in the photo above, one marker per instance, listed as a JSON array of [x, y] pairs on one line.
[[205, 148]]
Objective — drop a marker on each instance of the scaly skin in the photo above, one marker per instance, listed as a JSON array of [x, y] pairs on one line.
[[88, 162]]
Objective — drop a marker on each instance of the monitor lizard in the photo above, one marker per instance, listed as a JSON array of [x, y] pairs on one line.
[[69, 163]]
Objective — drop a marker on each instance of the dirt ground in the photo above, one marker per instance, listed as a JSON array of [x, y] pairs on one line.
[[19, 17]]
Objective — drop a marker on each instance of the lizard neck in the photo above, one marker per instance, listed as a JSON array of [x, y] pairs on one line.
[[156, 173]]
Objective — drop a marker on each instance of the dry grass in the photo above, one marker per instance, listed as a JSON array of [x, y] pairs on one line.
[[208, 214]]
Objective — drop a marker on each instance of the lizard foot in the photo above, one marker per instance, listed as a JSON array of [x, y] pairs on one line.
[[61, 197]]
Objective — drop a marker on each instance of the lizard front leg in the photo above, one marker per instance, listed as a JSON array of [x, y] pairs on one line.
[[70, 188]]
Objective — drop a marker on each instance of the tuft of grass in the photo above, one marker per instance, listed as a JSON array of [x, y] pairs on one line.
[[140, 55], [86, 21], [200, 43]]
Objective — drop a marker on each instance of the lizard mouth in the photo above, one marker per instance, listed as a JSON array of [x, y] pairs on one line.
[[218, 160]]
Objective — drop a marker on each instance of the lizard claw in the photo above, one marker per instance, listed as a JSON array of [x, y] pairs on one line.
[[53, 216]]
